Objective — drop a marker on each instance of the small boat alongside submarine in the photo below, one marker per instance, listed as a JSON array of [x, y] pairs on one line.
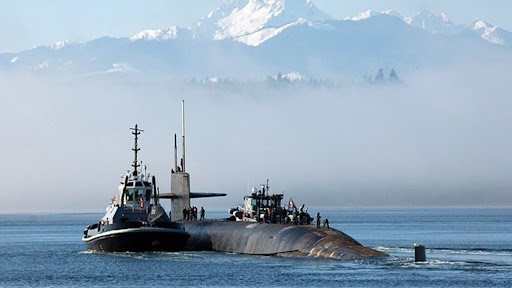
[[262, 207], [138, 222]]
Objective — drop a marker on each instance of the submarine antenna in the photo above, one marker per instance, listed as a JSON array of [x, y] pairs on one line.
[[175, 154], [136, 132], [183, 133]]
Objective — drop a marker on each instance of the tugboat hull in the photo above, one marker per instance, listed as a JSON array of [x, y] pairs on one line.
[[142, 239]]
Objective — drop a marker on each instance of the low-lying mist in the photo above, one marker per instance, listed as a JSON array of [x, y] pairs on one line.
[[439, 138]]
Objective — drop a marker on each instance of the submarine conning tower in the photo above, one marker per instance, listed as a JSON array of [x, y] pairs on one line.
[[180, 191]]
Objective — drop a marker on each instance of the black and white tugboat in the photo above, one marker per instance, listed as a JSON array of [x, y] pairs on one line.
[[135, 221]]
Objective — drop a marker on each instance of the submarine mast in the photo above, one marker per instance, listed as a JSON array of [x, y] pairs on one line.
[[183, 133], [175, 154]]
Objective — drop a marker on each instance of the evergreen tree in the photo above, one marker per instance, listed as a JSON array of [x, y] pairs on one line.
[[393, 77], [380, 76]]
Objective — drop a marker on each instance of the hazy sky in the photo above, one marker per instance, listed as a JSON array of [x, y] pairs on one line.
[[29, 23]]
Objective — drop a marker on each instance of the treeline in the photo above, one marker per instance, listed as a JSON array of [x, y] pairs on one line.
[[379, 78], [280, 80]]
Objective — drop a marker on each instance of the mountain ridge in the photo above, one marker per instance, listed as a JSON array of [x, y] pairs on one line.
[[253, 37]]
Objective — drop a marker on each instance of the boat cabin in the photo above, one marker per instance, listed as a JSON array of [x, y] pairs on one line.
[[260, 206], [137, 193]]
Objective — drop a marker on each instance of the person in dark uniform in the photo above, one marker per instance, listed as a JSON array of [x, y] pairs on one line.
[[326, 223], [318, 217], [202, 213]]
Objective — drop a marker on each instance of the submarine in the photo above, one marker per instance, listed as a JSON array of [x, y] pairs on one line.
[[260, 227]]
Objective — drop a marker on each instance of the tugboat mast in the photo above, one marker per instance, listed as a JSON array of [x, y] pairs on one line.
[[136, 132]]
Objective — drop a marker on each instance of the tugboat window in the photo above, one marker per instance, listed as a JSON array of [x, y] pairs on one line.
[[139, 194], [130, 195]]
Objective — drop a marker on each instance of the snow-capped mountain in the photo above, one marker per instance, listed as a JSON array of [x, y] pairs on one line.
[[162, 34], [59, 45], [256, 38], [370, 13], [292, 77], [492, 33], [442, 25], [435, 24], [254, 21]]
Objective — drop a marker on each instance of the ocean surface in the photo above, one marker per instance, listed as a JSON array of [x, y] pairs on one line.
[[465, 248]]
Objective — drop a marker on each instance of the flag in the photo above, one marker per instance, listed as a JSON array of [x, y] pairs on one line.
[[291, 204]]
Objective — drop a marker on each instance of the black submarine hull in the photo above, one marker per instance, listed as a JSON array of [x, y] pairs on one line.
[[274, 239], [141, 239]]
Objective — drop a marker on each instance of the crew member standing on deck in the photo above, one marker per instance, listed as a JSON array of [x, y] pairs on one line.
[[202, 213], [318, 217], [326, 223]]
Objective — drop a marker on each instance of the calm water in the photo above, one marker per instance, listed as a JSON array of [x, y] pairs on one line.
[[465, 248]]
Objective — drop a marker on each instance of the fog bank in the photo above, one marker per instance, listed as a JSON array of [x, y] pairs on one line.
[[440, 138]]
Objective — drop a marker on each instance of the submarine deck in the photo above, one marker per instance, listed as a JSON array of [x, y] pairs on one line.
[[274, 239]]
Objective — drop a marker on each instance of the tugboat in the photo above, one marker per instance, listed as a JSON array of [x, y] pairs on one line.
[[263, 207], [137, 222]]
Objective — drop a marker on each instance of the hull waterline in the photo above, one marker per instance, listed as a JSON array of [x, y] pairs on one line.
[[138, 240]]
